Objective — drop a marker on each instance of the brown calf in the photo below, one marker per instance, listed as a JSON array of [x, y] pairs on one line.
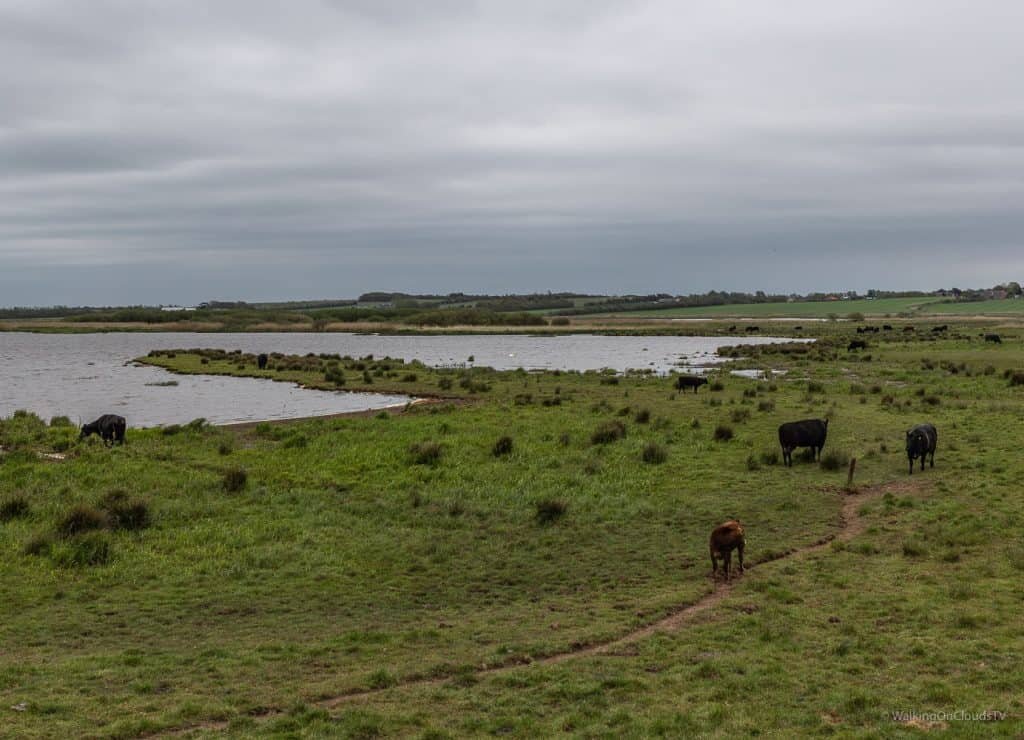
[[724, 539]]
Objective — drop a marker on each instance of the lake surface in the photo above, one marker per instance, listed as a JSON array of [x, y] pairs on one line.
[[85, 375]]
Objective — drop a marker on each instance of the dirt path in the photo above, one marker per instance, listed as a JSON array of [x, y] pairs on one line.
[[851, 524]]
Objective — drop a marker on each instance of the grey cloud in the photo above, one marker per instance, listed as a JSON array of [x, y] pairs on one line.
[[607, 146]]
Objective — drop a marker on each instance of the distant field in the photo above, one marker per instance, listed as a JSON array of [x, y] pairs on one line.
[[816, 309], [975, 308]]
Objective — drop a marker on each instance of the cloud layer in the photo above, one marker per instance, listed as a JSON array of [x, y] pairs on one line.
[[154, 152]]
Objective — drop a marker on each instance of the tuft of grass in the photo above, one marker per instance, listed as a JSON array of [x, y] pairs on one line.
[[15, 507], [234, 479], [766, 406], [549, 510], [81, 552], [834, 460], [643, 416], [124, 512], [81, 519], [426, 453], [722, 433], [607, 432], [654, 453], [752, 463], [502, 447], [716, 385], [769, 457], [225, 448], [39, 544]]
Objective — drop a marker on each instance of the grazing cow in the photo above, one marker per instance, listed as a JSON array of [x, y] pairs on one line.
[[937, 329], [724, 539], [753, 328], [110, 427], [908, 328], [861, 330], [921, 441], [857, 344], [798, 328], [690, 381], [993, 338], [886, 327], [261, 361], [732, 328], [805, 433]]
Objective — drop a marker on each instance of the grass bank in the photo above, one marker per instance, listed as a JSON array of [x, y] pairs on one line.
[[278, 568]]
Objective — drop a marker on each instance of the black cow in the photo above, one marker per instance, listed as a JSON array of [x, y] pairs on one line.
[[921, 441], [908, 328], [805, 433], [937, 329], [886, 327], [110, 427], [261, 361], [798, 328], [861, 330], [753, 328], [732, 328], [690, 381], [993, 338], [857, 344]]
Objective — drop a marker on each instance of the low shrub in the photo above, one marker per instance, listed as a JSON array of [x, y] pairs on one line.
[[738, 416], [426, 453], [15, 507], [81, 552], [234, 479], [770, 457], [82, 518], [716, 385], [1016, 378], [722, 433], [124, 512], [643, 416], [549, 510], [834, 460], [766, 406], [607, 432], [752, 463], [654, 453], [502, 447]]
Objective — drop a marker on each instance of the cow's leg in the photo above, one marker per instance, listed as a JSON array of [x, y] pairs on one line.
[[911, 464]]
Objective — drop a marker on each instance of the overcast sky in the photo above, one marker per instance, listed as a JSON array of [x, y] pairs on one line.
[[155, 152]]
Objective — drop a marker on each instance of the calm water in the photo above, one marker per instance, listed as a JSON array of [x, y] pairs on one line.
[[85, 375]]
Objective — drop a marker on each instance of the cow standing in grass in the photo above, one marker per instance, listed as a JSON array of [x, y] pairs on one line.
[[921, 441], [805, 433], [690, 381], [110, 427], [995, 338], [724, 539], [261, 361]]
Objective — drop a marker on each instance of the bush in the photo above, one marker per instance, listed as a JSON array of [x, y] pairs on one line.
[[82, 518], [815, 387], [502, 447], [124, 512], [445, 384], [549, 509], [643, 416], [722, 433], [81, 552], [654, 453], [40, 544], [740, 415], [409, 378], [834, 460], [752, 463], [607, 432], [61, 421], [766, 406], [716, 385], [426, 453], [234, 479], [1016, 378], [932, 400], [770, 458], [14, 508], [225, 448]]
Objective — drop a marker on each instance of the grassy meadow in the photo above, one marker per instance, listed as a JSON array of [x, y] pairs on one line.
[[355, 576]]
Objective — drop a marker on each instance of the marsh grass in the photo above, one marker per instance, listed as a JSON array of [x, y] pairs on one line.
[[234, 479], [15, 507]]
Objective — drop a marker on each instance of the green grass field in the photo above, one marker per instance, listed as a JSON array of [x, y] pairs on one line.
[[370, 567], [808, 309]]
